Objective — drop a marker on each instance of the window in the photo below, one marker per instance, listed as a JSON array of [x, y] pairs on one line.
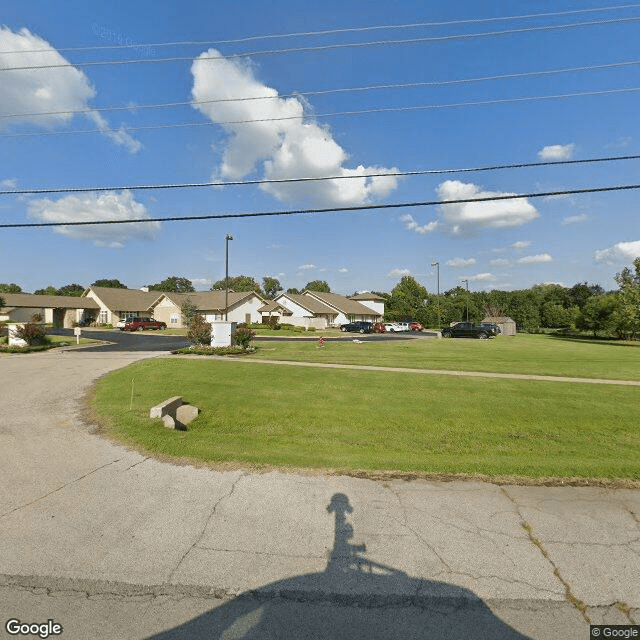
[[174, 319], [104, 316]]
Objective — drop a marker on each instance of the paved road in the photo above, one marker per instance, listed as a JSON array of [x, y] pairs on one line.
[[128, 341], [111, 544]]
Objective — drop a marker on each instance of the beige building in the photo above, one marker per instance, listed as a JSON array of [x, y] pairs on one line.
[[244, 306], [116, 304], [61, 311]]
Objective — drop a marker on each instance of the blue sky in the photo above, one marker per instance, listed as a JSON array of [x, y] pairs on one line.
[[501, 245]]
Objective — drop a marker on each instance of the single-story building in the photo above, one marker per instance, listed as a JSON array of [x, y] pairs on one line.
[[371, 300], [274, 313], [322, 310], [116, 304], [61, 311], [244, 306]]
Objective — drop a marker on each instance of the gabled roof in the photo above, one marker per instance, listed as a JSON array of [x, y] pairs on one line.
[[207, 300], [125, 299], [310, 304], [271, 305], [47, 302], [341, 303], [367, 295]]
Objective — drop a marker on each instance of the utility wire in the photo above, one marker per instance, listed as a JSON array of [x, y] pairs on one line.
[[413, 25], [319, 92], [328, 47], [421, 172], [367, 207], [423, 107]]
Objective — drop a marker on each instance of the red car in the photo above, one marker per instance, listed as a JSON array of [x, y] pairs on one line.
[[378, 327], [140, 324], [417, 326]]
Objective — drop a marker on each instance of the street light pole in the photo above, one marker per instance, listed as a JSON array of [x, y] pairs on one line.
[[437, 265], [226, 275], [467, 283]]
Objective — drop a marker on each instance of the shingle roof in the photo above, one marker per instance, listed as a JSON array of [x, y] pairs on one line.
[[309, 303], [272, 305], [345, 305], [367, 296], [48, 302], [125, 299], [208, 300]]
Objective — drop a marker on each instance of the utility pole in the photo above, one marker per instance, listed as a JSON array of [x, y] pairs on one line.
[[226, 275], [467, 283], [437, 265]]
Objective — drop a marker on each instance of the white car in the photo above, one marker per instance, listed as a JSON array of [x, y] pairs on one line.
[[394, 327]]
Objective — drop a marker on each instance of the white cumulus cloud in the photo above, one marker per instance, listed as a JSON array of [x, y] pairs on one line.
[[343, 270], [307, 267], [459, 263], [468, 217], [411, 225], [521, 244], [537, 259], [557, 152], [279, 143], [106, 206], [577, 219], [9, 183], [620, 252], [398, 273], [482, 277], [54, 91], [500, 262]]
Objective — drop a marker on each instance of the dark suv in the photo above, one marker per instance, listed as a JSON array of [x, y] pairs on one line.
[[140, 324], [469, 330], [358, 327]]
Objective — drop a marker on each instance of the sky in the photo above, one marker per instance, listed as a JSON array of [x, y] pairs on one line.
[[152, 93]]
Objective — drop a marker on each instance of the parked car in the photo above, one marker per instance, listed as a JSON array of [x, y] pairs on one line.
[[468, 330], [417, 326], [379, 327], [395, 327], [492, 326], [123, 323], [140, 324], [358, 327]]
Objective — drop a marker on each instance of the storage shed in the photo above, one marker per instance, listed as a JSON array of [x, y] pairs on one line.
[[507, 325]]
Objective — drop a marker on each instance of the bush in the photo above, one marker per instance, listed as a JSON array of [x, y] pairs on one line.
[[276, 327], [215, 351], [311, 328], [199, 331], [243, 337], [299, 329], [33, 334]]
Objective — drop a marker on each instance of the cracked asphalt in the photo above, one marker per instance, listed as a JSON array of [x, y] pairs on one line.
[[111, 544]]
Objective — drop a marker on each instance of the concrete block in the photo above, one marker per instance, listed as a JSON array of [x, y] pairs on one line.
[[169, 422], [168, 407], [186, 413]]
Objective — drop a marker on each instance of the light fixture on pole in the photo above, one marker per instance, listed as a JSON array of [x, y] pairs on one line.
[[467, 283], [437, 265], [226, 275]]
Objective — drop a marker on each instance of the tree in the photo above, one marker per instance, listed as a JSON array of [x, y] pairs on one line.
[[318, 285], [237, 283], [189, 312], [581, 292], [1, 302], [407, 301], [71, 290], [271, 287], [173, 284], [112, 284], [628, 311], [48, 291], [598, 314], [293, 291], [10, 288]]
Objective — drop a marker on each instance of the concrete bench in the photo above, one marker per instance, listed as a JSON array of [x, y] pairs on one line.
[[174, 414]]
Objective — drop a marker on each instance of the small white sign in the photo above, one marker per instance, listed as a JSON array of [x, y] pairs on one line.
[[77, 331]]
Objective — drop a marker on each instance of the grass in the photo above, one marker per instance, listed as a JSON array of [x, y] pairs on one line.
[[255, 414], [524, 354]]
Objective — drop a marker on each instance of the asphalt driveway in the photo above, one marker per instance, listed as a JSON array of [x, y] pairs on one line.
[[112, 544]]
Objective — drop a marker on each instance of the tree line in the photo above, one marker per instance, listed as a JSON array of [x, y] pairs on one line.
[[583, 306]]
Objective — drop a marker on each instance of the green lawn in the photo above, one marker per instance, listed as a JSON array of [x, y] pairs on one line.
[[257, 414], [526, 354]]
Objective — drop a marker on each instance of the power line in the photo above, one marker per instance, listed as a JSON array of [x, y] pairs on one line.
[[326, 32], [423, 107], [328, 47], [421, 172], [367, 207], [405, 85]]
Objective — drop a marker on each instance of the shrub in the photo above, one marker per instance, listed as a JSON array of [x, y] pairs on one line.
[[298, 329], [215, 351], [276, 327], [199, 331], [243, 337], [33, 334], [311, 328]]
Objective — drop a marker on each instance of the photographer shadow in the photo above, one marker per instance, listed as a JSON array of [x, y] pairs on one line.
[[352, 599]]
